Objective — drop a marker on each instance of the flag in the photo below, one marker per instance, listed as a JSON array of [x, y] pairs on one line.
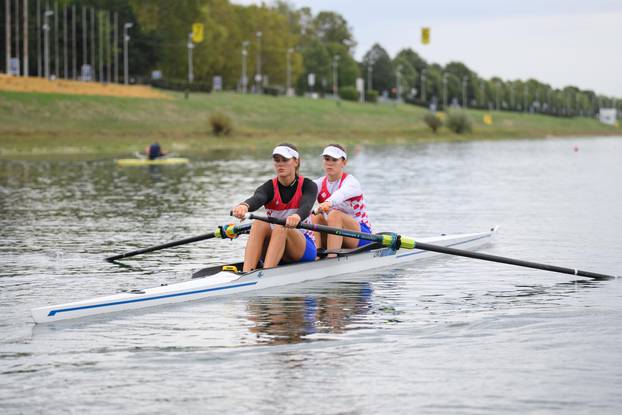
[[197, 32], [425, 35]]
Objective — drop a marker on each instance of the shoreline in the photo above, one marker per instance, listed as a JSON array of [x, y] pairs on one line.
[[44, 124]]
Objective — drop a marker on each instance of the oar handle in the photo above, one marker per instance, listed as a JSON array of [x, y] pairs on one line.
[[386, 240]]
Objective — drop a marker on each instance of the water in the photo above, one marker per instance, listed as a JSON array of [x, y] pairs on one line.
[[447, 335]]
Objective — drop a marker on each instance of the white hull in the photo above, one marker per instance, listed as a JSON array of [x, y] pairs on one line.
[[227, 282]]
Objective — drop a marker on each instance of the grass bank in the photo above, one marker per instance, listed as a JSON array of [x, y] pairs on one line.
[[43, 123]]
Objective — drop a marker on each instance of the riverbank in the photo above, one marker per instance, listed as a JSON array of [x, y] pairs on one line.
[[61, 124]]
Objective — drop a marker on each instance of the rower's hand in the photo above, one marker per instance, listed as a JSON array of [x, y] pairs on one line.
[[324, 207], [239, 211], [292, 221]]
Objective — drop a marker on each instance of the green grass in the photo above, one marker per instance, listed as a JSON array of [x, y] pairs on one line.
[[33, 123]]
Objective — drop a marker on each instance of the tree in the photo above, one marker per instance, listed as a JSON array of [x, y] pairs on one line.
[[383, 73], [331, 27]]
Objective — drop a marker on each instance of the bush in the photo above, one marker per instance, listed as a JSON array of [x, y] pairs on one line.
[[371, 96], [459, 122], [433, 121], [349, 93], [273, 90], [221, 123], [181, 85]]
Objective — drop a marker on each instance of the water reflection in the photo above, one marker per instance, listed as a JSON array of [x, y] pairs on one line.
[[288, 320]]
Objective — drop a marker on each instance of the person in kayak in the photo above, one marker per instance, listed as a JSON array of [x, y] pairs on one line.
[[341, 202], [288, 196], [154, 151]]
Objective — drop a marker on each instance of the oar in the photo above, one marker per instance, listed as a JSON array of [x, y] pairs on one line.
[[399, 241], [218, 233]]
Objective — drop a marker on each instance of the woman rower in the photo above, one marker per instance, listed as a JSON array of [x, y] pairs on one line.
[[341, 202], [287, 196]]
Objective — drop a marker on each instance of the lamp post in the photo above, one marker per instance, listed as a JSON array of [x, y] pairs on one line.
[[398, 79], [497, 96], [46, 43], [525, 96], [258, 76], [370, 69], [465, 80], [7, 30], [444, 91], [513, 100], [190, 46], [126, 65], [244, 54], [423, 91], [289, 70], [335, 74]]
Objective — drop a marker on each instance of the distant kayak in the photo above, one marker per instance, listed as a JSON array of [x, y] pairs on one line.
[[156, 162]]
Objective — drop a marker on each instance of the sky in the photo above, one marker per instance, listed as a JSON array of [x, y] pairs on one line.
[[559, 42]]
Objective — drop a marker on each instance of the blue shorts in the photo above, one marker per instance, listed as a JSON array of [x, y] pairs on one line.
[[364, 229], [310, 250]]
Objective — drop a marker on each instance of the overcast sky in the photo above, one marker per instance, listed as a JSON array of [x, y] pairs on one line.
[[560, 42]]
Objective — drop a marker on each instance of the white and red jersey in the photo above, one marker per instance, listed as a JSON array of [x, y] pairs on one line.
[[277, 209], [345, 195]]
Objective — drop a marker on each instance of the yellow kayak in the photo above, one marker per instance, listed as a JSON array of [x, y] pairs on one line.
[[147, 162]]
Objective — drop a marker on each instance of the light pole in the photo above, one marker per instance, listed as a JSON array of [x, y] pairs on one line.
[[46, 43], [244, 54], [289, 70], [444, 91], [190, 46], [512, 96], [258, 77], [335, 74], [26, 60], [525, 94], [370, 68], [423, 91], [398, 76], [7, 30], [465, 80], [126, 65]]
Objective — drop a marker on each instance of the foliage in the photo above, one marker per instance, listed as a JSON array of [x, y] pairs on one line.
[[220, 123], [349, 93], [459, 122], [182, 85], [383, 73], [311, 41], [433, 121], [371, 96]]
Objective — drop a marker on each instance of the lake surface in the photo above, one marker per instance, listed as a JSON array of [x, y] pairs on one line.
[[446, 335]]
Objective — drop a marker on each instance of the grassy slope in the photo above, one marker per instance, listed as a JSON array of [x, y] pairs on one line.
[[52, 123]]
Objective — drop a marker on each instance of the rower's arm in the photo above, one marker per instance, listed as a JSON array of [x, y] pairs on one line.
[[263, 195], [349, 188], [309, 195]]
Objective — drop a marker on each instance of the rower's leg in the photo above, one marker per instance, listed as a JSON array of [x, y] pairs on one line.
[[320, 238], [284, 242], [260, 232], [339, 219]]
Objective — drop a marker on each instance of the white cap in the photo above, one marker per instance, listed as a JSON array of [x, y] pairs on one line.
[[335, 152], [285, 151]]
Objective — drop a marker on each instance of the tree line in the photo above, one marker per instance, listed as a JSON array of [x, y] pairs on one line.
[[279, 45]]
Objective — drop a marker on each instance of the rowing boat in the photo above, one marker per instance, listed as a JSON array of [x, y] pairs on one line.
[[226, 280], [156, 162]]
